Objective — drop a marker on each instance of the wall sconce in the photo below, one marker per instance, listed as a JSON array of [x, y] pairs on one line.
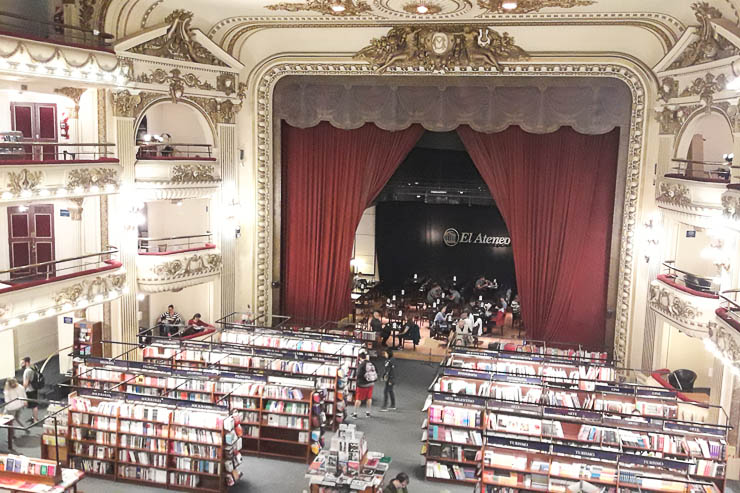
[[651, 232]]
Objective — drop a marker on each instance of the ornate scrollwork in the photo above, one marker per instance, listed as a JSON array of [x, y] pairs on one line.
[[89, 177], [527, 6], [441, 48], [89, 288], [709, 46], [674, 193], [178, 42], [725, 341], [193, 173], [731, 206], [24, 181], [672, 118], [706, 87], [176, 81], [351, 7], [130, 105], [193, 265], [668, 88], [219, 112], [73, 93], [226, 83], [666, 301]]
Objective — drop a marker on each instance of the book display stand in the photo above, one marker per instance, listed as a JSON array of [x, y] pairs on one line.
[[88, 338], [28, 474], [535, 430]]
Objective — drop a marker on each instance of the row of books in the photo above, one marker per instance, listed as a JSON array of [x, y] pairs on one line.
[[142, 473], [143, 458], [27, 465], [457, 416], [296, 343], [283, 421], [438, 470], [453, 435]]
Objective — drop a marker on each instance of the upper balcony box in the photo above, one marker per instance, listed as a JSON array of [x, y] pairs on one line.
[[176, 171], [39, 49], [686, 300], [46, 289], [695, 187], [42, 170], [170, 264]]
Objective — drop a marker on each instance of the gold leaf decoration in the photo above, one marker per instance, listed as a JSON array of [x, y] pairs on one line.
[[191, 173], [23, 181], [709, 46], [527, 6], [89, 177], [351, 7]]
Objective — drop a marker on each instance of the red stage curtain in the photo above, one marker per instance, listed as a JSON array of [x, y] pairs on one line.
[[329, 177], [556, 193]]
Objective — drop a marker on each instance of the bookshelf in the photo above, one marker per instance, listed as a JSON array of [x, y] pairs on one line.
[[88, 338], [278, 416], [534, 425], [168, 443], [54, 437]]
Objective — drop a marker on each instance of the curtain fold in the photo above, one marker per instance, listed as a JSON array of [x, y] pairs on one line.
[[329, 177], [556, 194]]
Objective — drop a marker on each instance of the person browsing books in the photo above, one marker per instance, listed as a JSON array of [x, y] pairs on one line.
[[366, 378], [389, 377], [399, 484], [14, 394]]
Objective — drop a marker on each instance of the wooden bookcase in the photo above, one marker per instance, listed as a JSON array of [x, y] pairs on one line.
[[634, 432], [88, 337], [51, 434]]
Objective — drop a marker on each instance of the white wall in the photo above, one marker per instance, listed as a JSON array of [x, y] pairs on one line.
[[688, 352], [688, 252], [364, 250], [195, 299], [37, 340], [181, 121], [165, 219]]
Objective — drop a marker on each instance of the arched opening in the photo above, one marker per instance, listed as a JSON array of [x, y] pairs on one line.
[[703, 143], [174, 131]]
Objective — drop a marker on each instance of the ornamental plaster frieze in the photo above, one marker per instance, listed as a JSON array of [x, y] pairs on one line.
[[731, 208], [24, 58], [27, 182], [132, 104], [726, 338], [630, 74], [54, 298], [176, 174], [690, 314], [158, 273], [690, 196]]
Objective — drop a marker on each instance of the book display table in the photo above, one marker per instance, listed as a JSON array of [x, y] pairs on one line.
[[27, 474]]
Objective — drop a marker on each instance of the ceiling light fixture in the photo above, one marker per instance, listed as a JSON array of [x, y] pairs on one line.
[[508, 4], [422, 9], [337, 6]]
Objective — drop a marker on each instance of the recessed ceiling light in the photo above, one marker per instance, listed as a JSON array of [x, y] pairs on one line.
[[422, 9], [508, 5], [337, 6]]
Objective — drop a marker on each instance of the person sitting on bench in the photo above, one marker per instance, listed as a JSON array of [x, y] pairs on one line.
[[169, 322], [196, 325]]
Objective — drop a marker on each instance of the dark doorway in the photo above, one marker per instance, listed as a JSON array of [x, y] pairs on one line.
[[31, 239]]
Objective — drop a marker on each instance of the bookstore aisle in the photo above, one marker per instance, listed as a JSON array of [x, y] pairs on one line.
[[395, 433]]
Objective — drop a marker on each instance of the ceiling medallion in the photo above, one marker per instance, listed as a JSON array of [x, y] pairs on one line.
[[329, 7], [440, 48], [422, 7], [527, 6]]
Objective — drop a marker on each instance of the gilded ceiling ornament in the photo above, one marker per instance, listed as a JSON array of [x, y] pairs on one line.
[[89, 177], [351, 7], [440, 48], [193, 265], [73, 93], [190, 173], [527, 6], [178, 42], [674, 193], [709, 46], [89, 288], [130, 105], [176, 81], [23, 181], [706, 87]]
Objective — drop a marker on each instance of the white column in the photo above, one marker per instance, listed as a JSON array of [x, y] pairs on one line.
[[735, 171], [228, 157]]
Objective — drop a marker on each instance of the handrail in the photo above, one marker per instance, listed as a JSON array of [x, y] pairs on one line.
[[693, 281], [155, 149], [174, 237], [53, 151], [145, 244], [50, 262], [692, 161], [53, 30], [710, 170]]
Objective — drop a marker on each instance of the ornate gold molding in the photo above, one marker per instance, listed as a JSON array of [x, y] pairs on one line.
[[706, 87], [672, 119], [412, 8], [89, 288], [75, 213], [674, 193], [196, 264], [668, 89], [351, 7], [709, 46], [73, 93], [440, 48], [130, 105], [527, 6], [665, 301], [24, 181], [178, 42], [90, 177], [218, 111], [193, 173], [176, 81], [726, 342]]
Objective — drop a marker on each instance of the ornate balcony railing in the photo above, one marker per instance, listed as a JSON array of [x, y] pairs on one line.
[[706, 171], [31, 152], [175, 244], [691, 283], [174, 151], [176, 269], [54, 270], [53, 32]]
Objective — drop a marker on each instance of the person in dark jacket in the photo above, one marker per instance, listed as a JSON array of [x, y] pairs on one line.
[[365, 384], [399, 484], [389, 377], [409, 332]]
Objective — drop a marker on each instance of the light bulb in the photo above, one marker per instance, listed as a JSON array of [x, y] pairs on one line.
[[422, 9], [337, 6], [508, 5]]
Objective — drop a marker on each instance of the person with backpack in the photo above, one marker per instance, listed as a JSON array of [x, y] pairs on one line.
[[389, 377], [33, 381], [366, 378]]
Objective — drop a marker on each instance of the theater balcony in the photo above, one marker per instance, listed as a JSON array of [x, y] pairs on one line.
[[43, 170], [166, 171], [177, 262], [52, 50], [693, 188], [686, 300], [46, 289], [725, 334]]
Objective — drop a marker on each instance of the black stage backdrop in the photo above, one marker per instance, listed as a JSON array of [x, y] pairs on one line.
[[441, 241]]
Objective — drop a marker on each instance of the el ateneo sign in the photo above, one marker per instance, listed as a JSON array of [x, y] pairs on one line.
[[452, 237]]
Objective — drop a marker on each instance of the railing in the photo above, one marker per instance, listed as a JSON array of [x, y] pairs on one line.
[[52, 152], [710, 171], [56, 270], [174, 244], [174, 151], [729, 301], [693, 282], [56, 32]]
